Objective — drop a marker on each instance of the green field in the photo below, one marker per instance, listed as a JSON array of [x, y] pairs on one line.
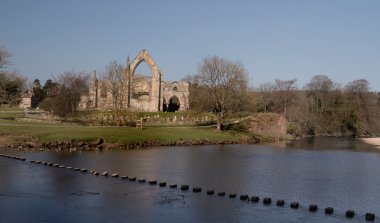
[[13, 132]]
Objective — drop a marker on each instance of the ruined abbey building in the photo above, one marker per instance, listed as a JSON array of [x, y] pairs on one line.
[[143, 93]]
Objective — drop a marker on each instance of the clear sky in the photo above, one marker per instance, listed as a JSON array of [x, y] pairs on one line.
[[274, 39]]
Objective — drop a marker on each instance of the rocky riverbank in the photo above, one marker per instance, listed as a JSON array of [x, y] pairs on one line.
[[101, 144], [18, 135]]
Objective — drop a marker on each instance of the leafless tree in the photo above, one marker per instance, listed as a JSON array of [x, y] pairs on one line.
[[358, 93], [4, 55], [285, 90], [266, 92], [11, 84], [363, 107], [320, 88], [359, 87], [11, 88], [117, 85], [225, 83]]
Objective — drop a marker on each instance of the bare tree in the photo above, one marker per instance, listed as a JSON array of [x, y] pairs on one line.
[[319, 89], [4, 55], [225, 83], [266, 91], [363, 109], [117, 86], [67, 93], [11, 88], [285, 88], [358, 93], [359, 87], [11, 84]]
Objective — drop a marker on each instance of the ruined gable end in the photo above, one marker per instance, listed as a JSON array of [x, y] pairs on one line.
[[145, 93]]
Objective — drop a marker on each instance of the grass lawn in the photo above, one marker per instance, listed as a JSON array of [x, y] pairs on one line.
[[12, 131]]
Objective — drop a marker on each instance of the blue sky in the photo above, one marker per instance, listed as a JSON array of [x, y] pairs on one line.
[[274, 39]]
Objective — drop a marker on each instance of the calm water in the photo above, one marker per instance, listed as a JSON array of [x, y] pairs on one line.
[[338, 172]]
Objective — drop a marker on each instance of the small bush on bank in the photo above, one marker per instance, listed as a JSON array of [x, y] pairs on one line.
[[237, 127]]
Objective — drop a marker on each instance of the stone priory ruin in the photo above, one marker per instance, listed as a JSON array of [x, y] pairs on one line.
[[144, 93]]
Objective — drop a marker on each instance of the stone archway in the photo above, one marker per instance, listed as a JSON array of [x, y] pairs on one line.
[[174, 104], [155, 90]]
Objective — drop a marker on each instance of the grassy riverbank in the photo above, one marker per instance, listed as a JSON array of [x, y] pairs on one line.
[[16, 132]]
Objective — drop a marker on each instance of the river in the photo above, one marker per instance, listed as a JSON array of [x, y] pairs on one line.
[[342, 173]]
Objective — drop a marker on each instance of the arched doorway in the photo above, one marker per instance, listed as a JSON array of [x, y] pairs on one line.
[[173, 105]]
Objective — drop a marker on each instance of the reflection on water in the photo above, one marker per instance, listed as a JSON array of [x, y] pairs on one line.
[[337, 172], [327, 143]]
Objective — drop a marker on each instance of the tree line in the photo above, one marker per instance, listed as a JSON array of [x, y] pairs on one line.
[[220, 86], [62, 94], [321, 107]]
